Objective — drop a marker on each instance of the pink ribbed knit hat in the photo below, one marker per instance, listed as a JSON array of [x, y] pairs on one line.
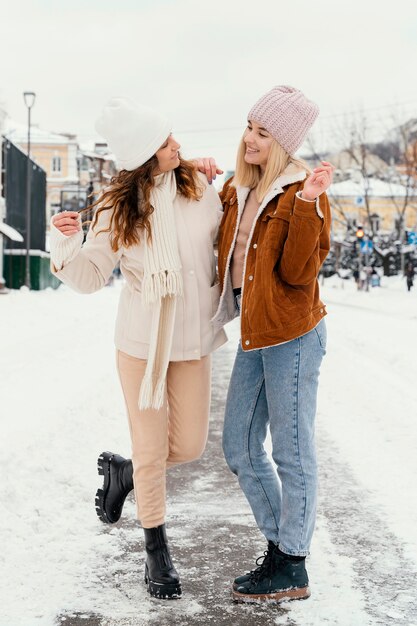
[[286, 114]]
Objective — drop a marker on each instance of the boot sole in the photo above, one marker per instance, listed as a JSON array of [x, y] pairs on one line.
[[103, 468], [301, 593], [163, 591]]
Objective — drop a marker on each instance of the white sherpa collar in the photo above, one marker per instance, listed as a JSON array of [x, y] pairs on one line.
[[292, 174]]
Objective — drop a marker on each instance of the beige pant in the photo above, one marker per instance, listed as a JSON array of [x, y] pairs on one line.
[[176, 433]]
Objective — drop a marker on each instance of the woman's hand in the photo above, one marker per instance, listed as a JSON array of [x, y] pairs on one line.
[[319, 181], [67, 222], [208, 166]]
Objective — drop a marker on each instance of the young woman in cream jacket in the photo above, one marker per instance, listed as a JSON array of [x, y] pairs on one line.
[[159, 219]]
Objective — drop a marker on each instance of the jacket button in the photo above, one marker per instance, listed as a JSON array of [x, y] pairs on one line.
[[250, 277], [255, 245], [247, 342], [191, 272]]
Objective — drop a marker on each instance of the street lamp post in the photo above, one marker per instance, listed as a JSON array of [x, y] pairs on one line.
[[29, 98]]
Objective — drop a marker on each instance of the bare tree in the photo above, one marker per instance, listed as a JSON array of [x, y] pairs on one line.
[[337, 206], [364, 163], [405, 172]]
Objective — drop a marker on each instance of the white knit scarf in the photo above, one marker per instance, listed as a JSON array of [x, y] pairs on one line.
[[162, 284]]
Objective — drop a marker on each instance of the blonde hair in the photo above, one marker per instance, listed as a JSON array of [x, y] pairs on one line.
[[248, 175]]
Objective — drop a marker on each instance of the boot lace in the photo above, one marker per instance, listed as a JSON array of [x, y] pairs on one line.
[[265, 566]]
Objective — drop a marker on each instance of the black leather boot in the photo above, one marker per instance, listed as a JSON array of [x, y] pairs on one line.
[[117, 483], [161, 577]]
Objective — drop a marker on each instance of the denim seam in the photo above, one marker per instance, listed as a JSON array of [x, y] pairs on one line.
[[258, 480], [293, 552], [297, 438], [320, 340]]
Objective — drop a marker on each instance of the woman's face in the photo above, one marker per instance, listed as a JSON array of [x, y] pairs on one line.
[[258, 144], [167, 155]]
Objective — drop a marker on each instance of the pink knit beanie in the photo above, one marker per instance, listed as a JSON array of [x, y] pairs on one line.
[[286, 114]]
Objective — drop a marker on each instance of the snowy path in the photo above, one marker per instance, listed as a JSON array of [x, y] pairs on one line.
[[61, 405], [358, 531], [367, 436], [368, 399]]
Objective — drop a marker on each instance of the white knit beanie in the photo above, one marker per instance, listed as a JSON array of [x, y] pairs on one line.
[[133, 133]]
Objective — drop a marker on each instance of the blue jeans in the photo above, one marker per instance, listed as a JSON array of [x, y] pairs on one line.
[[277, 387]]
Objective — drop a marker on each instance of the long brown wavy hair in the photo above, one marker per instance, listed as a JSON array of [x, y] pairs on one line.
[[128, 196]]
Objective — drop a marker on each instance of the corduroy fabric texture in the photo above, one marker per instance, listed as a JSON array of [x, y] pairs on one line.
[[280, 296], [286, 114]]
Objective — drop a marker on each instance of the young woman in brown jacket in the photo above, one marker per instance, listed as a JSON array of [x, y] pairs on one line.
[[274, 236]]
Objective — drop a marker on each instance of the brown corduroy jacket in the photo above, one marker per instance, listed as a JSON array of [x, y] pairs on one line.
[[289, 240]]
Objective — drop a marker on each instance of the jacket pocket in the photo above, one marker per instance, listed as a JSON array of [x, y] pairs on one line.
[[215, 298], [279, 213], [139, 319], [276, 226]]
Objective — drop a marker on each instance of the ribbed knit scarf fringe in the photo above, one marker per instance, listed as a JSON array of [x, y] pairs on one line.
[[162, 285]]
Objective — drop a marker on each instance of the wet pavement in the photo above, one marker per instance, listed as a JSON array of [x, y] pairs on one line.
[[211, 543], [213, 538]]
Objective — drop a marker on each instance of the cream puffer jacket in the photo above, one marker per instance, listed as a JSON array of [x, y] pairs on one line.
[[86, 268]]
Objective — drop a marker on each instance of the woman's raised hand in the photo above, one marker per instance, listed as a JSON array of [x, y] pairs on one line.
[[319, 181], [208, 166], [68, 222]]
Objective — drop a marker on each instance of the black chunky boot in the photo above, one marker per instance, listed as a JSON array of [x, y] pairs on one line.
[[161, 577], [117, 483], [267, 555], [280, 578]]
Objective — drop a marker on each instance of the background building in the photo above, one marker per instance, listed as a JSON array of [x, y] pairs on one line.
[[14, 186], [74, 176], [57, 155], [348, 198]]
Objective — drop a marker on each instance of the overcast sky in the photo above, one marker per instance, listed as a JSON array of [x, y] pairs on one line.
[[205, 63]]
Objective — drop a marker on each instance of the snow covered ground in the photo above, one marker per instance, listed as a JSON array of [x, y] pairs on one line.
[[61, 405]]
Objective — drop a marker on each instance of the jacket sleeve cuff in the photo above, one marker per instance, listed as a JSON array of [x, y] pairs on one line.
[[305, 209], [63, 248]]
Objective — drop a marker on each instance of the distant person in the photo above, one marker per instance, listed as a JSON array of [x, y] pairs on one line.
[[375, 278], [409, 274], [363, 279], [159, 219], [356, 277], [368, 271]]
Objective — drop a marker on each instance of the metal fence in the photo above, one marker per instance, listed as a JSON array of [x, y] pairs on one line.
[[14, 190]]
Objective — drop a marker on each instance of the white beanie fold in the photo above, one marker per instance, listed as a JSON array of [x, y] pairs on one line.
[[133, 133]]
